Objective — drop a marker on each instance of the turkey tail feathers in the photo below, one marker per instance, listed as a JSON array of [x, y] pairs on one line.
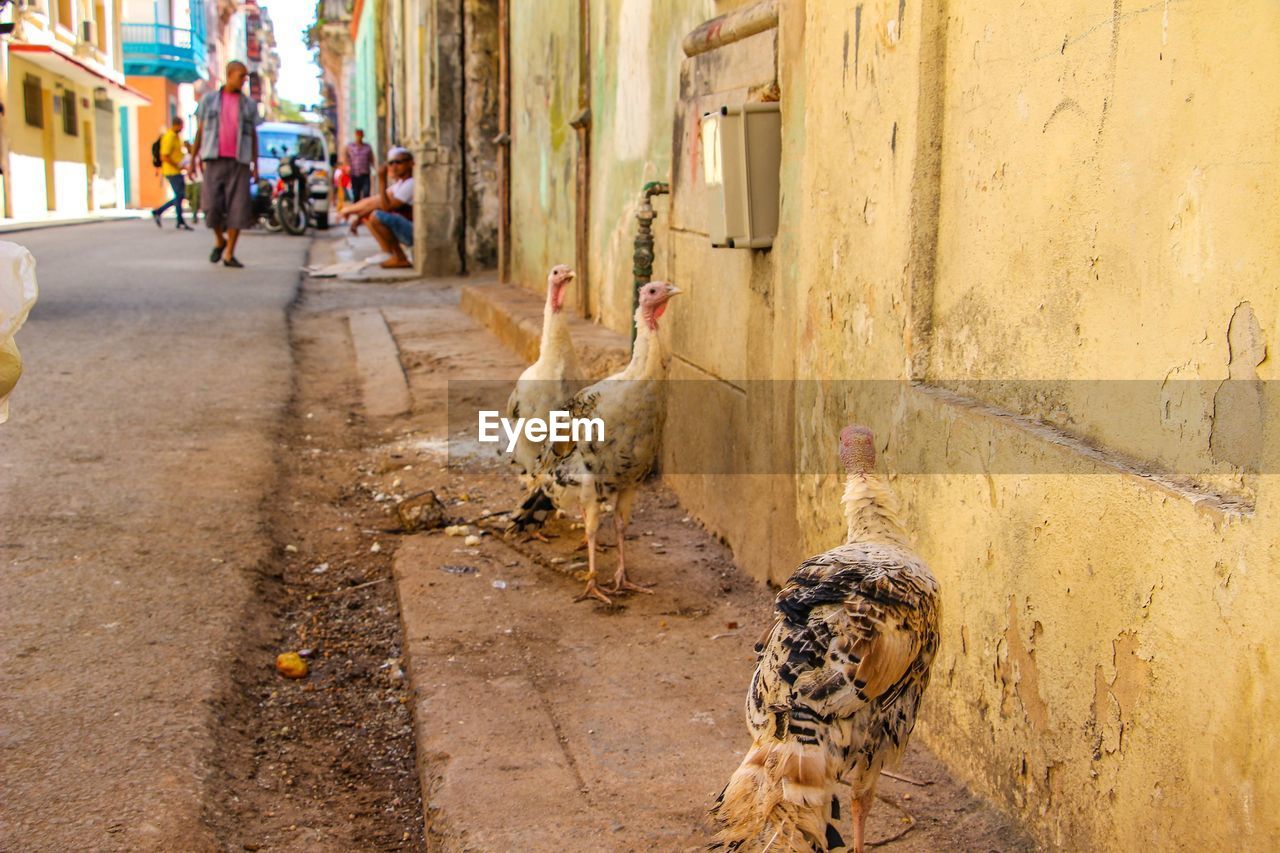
[[779, 799], [534, 512]]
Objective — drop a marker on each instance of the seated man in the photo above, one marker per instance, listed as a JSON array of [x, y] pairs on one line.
[[389, 214]]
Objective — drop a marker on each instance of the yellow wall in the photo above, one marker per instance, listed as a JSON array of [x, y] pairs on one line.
[[51, 145], [1056, 195]]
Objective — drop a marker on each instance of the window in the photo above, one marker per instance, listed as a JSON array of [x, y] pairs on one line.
[[277, 143], [64, 14], [33, 100], [70, 125]]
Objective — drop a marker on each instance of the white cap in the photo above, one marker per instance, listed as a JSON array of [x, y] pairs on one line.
[[397, 151]]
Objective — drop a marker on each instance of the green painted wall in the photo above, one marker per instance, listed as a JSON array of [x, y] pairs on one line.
[[635, 75], [544, 96], [364, 82], [635, 86]]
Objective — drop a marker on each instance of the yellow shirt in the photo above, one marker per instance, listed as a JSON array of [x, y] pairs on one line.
[[171, 153]]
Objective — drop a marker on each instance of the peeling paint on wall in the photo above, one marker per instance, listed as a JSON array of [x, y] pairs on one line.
[[1017, 674]]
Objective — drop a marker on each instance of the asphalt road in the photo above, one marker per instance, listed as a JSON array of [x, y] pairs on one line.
[[133, 474]]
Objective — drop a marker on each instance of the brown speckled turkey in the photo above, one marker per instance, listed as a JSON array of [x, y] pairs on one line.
[[839, 679]]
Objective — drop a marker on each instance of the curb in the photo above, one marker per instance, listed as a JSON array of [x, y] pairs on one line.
[[17, 227], [514, 316]]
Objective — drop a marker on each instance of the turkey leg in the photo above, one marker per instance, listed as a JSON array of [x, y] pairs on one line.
[[859, 808], [621, 517], [592, 524]]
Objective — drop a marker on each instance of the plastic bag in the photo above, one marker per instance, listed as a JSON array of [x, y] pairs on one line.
[[17, 295]]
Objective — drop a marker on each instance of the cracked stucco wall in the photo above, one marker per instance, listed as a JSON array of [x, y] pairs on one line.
[[987, 189], [1069, 192]]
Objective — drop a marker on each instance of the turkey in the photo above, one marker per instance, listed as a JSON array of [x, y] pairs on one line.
[[596, 476], [547, 383], [839, 677]]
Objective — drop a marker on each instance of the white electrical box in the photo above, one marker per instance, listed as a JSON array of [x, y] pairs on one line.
[[741, 162]]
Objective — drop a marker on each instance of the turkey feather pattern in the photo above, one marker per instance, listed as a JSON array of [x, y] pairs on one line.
[[839, 678]]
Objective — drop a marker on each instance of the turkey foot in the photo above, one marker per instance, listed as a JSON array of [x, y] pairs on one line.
[[593, 591], [540, 536], [621, 584]]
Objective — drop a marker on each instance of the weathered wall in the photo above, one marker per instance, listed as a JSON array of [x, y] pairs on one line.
[[544, 96], [1120, 154], [635, 84], [986, 190], [1028, 195], [367, 109]]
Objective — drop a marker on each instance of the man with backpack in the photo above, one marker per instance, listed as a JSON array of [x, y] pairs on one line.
[[166, 155]]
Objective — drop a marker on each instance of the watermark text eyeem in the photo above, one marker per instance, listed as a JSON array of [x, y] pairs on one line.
[[559, 426]]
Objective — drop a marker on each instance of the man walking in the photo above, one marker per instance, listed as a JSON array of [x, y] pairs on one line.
[[359, 157], [171, 156], [227, 152]]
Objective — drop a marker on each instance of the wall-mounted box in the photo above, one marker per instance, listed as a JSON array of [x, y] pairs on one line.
[[741, 162]]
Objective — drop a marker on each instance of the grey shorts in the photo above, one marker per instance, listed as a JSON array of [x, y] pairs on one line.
[[225, 194]]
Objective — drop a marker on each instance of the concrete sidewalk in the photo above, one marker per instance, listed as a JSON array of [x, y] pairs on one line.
[[57, 220], [338, 254], [548, 725]]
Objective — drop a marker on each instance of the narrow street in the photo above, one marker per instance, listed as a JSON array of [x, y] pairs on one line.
[[232, 496], [131, 497], [925, 356]]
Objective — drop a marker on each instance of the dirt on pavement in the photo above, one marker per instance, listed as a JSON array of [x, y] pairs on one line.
[[545, 724], [323, 763], [532, 722]]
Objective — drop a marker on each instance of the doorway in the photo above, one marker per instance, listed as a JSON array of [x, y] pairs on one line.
[[483, 146]]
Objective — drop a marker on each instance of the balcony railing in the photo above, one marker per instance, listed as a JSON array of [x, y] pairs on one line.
[[161, 50]]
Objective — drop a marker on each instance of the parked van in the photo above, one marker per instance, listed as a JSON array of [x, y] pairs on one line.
[[280, 138]]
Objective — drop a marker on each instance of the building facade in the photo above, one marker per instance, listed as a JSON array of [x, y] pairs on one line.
[[366, 85], [262, 59], [1005, 244], [68, 109], [439, 97], [175, 51], [1011, 240], [331, 36], [165, 57]]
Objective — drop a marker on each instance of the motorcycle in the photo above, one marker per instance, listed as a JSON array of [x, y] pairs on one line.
[[293, 196], [264, 204]]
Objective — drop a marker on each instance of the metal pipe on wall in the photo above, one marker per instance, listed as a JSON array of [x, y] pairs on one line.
[[503, 140], [731, 27], [582, 124], [642, 260]]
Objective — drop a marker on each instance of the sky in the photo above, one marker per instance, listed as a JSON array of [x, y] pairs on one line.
[[298, 69]]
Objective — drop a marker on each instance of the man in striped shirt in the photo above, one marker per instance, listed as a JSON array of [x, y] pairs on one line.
[[359, 157]]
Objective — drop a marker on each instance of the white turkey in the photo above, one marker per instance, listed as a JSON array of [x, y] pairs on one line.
[[600, 475], [546, 384]]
